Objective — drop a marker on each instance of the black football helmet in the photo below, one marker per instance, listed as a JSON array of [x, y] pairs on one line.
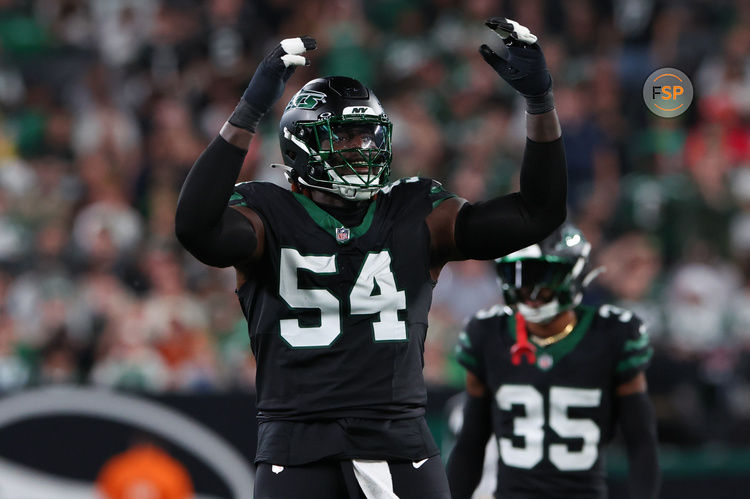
[[555, 264], [336, 137]]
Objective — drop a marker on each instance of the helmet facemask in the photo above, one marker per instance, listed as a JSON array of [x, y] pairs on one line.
[[545, 279], [548, 281], [349, 156]]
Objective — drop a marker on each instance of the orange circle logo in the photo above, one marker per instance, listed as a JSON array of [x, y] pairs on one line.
[[668, 92]]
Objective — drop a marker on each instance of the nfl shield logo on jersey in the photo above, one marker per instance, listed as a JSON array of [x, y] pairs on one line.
[[545, 361], [342, 234]]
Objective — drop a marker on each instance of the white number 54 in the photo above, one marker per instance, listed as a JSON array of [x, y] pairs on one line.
[[375, 272]]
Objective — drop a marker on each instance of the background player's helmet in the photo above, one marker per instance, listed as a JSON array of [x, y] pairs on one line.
[[314, 152], [556, 263]]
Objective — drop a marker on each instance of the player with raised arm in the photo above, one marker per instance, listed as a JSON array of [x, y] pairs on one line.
[[552, 378], [335, 276]]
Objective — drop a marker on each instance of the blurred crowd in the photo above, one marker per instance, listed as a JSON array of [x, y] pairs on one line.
[[104, 106]]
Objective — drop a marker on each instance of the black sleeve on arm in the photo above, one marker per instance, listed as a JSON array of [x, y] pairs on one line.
[[494, 228], [214, 233], [466, 462], [639, 428]]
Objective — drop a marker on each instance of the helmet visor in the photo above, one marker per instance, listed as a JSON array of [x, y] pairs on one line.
[[354, 148], [528, 276], [342, 136]]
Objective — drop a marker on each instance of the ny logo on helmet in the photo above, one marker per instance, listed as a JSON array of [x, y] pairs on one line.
[[306, 99]]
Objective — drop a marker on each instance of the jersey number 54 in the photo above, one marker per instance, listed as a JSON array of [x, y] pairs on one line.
[[375, 272]]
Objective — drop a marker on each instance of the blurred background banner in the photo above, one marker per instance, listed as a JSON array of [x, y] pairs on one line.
[[104, 105], [74, 432]]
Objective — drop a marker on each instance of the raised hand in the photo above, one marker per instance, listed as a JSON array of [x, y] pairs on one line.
[[269, 79], [520, 62]]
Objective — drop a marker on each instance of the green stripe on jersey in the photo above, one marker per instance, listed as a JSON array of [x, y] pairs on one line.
[[634, 361], [437, 189], [438, 201], [465, 358], [464, 339], [237, 197], [566, 345], [546, 258], [637, 344]]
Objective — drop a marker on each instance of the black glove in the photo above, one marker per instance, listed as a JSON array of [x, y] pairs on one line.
[[521, 64], [268, 81]]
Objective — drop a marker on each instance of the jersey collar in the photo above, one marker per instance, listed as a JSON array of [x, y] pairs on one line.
[[566, 345], [330, 224]]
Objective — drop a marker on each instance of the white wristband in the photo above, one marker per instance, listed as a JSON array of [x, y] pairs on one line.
[[293, 60], [294, 46]]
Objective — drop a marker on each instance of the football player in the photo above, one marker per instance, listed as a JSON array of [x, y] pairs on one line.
[[335, 276], [552, 378]]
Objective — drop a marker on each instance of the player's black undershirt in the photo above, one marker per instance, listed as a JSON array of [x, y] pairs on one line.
[[465, 466], [203, 220], [493, 228]]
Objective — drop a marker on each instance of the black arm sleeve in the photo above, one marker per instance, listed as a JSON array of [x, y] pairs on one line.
[[466, 462], [494, 228], [639, 428], [214, 233]]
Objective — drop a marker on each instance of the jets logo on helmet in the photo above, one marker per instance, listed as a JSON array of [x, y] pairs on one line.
[[551, 269], [306, 99], [336, 137]]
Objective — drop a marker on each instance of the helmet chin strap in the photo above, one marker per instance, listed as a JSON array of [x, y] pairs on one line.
[[348, 193], [356, 194], [541, 314], [352, 191]]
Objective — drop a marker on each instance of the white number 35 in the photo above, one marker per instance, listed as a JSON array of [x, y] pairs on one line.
[[531, 426]]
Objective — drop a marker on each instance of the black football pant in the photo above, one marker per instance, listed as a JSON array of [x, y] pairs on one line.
[[336, 480]]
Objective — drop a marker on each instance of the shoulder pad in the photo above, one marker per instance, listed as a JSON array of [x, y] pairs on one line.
[[494, 311], [623, 322], [257, 184], [400, 183], [244, 191], [613, 312]]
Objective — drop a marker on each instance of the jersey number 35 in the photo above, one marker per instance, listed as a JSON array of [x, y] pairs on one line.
[[531, 427]]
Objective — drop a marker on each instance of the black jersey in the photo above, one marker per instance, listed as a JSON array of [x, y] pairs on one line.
[[554, 418], [338, 315]]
